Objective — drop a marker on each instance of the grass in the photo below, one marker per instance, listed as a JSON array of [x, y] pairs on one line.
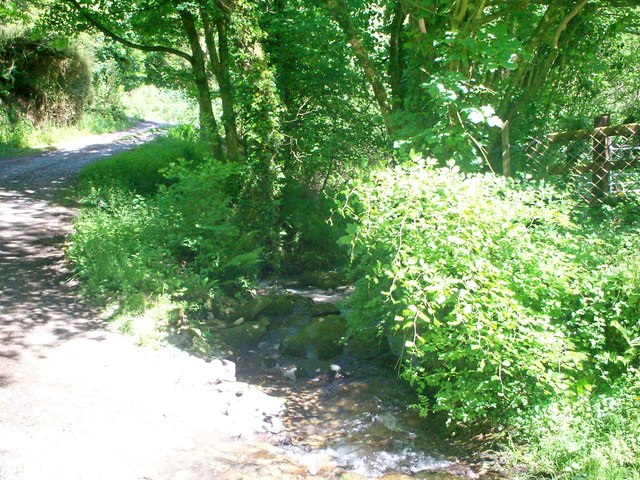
[[596, 437], [139, 170], [157, 220], [23, 137], [155, 236]]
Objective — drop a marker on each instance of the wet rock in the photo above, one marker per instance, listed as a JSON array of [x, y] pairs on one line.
[[366, 348], [246, 334], [318, 463], [224, 309], [314, 369], [288, 371], [321, 339], [352, 476], [324, 309], [280, 306], [302, 305], [274, 305], [281, 440], [190, 340]]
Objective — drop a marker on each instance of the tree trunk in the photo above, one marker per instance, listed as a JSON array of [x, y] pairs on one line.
[[208, 124], [340, 14], [220, 65], [395, 56]]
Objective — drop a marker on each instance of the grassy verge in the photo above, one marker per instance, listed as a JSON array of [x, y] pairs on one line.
[[22, 137], [158, 232]]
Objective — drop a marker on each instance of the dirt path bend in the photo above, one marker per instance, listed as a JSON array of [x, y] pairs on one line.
[[79, 402]]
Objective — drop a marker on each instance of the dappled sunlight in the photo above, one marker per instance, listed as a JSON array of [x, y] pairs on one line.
[[49, 171], [76, 396], [38, 307]]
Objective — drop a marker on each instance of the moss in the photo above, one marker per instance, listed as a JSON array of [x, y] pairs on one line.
[[320, 339]]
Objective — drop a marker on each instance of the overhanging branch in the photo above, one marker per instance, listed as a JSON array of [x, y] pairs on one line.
[[120, 39]]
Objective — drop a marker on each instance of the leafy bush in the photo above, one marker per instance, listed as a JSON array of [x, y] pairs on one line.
[[179, 238], [50, 80], [114, 247], [497, 297]]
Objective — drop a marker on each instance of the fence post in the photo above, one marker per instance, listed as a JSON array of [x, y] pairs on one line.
[[601, 177], [506, 150]]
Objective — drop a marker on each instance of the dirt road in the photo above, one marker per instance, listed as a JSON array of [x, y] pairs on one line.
[[79, 402]]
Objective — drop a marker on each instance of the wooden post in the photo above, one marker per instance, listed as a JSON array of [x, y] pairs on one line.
[[506, 150], [601, 177]]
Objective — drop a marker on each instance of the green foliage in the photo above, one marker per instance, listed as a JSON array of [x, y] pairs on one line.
[[53, 89], [178, 239], [112, 247], [500, 300], [311, 231], [140, 171], [329, 124], [595, 437], [49, 79], [160, 104], [19, 134]]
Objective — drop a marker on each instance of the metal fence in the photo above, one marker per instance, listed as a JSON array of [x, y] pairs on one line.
[[595, 164]]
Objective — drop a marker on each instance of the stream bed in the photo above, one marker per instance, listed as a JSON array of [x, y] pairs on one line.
[[347, 417]]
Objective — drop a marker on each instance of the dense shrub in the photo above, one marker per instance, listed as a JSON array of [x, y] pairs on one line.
[[154, 230], [50, 82], [497, 297]]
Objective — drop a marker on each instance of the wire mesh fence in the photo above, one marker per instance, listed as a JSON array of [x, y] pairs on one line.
[[597, 165]]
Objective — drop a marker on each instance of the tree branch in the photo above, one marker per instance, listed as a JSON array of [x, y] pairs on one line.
[[565, 22], [118, 38]]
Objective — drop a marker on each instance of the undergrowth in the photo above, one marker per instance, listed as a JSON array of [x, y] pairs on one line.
[[595, 437], [511, 307], [141, 170], [160, 220]]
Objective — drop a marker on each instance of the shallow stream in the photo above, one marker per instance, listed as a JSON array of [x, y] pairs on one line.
[[353, 418]]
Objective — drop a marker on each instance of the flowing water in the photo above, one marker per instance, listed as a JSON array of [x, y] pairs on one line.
[[353, 418]]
